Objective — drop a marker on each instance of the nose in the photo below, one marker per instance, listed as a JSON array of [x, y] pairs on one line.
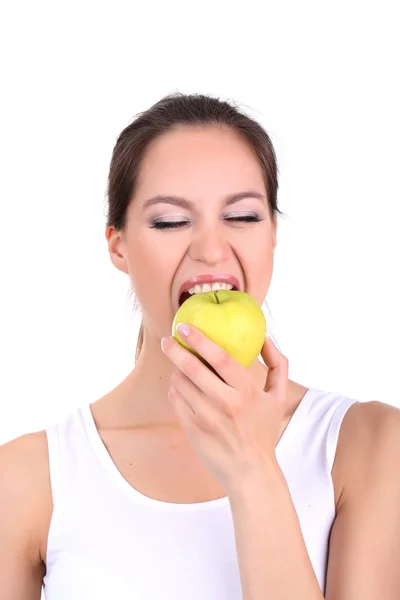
[[209, 245]]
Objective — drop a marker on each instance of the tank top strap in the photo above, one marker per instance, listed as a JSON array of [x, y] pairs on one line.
[[54, 462], [312, 433], [338, 415], [322, 420], [70, 454]]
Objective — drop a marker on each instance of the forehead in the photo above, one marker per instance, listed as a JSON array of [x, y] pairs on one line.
[[192, 161]]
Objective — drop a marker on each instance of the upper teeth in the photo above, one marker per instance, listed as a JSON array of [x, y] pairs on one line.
[[206, 287]]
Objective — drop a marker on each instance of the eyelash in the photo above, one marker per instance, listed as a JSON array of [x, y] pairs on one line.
[[178, 224]]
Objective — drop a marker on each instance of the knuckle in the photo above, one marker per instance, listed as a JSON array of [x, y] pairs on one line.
[[230, 405], [226, 406], [236, 411], [250, 392], [221, 359], [189, 368]]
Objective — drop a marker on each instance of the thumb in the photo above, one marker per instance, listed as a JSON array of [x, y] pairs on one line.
[[278, 368]]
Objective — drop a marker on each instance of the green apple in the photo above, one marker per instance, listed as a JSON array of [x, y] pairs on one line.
[[231, 319]]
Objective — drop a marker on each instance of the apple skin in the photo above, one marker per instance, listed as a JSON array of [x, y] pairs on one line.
[[231, 319]]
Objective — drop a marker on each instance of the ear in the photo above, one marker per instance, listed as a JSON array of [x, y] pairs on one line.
[[116, 249]]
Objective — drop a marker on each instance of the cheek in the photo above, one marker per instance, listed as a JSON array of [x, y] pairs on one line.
[[152, 266], [257, 263]]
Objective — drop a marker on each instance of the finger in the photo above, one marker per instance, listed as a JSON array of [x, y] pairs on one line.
[[278, 368], [194, 369], [183, 411], [232, 372], [201, 405]]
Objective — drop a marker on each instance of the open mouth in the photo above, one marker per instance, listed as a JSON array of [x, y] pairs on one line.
[[202, 289]]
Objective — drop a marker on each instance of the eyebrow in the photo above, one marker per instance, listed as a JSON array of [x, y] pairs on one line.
[[184, 203]]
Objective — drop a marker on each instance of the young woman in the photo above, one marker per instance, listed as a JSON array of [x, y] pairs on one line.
[[179, 483]]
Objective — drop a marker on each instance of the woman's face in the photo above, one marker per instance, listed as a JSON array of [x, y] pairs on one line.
[[167, 243]]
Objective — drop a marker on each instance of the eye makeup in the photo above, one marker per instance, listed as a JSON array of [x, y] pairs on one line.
[[170, 224]]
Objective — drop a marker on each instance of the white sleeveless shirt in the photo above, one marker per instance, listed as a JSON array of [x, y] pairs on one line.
[[109, 541]]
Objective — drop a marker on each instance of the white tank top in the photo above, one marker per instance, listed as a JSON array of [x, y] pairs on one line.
[[109, 541]]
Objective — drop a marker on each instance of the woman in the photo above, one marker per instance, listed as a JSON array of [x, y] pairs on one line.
[[183, 482]]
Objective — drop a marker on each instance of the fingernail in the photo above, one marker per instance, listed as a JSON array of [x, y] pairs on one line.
[[164, 343], [183, 329]]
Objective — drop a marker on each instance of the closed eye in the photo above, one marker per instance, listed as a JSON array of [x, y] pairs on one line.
[[245, 218], [177, 224]]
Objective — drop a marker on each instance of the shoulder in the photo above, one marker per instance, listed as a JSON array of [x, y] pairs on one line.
[[369, 421], [364, 541], [369, 439], [25, 491], [26, 456]]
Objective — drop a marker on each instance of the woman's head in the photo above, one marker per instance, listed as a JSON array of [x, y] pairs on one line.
[[199, 164]]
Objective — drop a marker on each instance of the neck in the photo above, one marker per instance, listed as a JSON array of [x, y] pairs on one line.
[[143, 394]]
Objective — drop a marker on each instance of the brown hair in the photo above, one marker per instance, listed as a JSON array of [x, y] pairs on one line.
[[180, 109]]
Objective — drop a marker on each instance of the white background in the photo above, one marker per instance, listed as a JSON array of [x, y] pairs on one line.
[[321, 77]]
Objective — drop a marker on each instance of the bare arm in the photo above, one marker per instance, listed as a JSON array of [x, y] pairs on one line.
[[364, 554], [273, 559], [24, 489]]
